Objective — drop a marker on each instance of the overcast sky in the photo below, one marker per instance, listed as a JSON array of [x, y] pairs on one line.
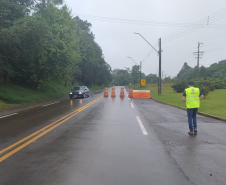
[[118, 40]]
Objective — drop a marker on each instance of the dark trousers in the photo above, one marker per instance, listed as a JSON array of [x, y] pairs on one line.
[[192, 121]]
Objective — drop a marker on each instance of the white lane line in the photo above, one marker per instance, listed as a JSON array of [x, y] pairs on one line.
[[127, 95], [51, 104], [126, 92], [132, 105], [141, 126], [8, 115]]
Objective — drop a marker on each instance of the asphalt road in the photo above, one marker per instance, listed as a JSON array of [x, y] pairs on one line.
[[104, 141]]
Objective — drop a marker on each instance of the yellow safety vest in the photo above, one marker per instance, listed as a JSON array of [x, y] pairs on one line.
[[192, 97]]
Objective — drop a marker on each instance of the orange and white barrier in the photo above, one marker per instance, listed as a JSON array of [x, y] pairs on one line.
[[130, 93], [122, 93], [113, 92], [105, 92], [142, 94]]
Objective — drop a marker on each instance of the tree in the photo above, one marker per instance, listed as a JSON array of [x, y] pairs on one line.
[[136, 74], [41, 41], [185, 73], [10, 11], [168, 80], [143, 76], [151, 79], [202, 72], [121, 76], [66, 54], [27, 46], [94, 69]]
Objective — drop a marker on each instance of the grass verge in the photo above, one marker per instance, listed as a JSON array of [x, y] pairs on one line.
[[214, 103], [14, 96]]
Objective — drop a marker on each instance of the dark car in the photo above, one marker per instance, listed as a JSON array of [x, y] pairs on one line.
[[79, 91]]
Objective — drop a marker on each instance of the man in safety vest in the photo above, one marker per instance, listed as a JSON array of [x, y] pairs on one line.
[[192, 97]]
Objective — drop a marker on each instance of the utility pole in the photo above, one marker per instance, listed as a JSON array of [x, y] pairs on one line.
[[198, 54], [163, 75], [140, 72], [160, 61]]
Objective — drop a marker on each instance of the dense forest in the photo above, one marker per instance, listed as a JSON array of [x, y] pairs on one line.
[[206, 78], [216, 70], [41, 41], [127, 76], [216, 73]]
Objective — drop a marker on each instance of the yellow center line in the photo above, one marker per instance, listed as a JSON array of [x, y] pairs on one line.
[[62, 120]]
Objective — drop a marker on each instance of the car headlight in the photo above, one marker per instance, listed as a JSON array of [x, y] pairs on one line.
[[70, 93], [80, 92]]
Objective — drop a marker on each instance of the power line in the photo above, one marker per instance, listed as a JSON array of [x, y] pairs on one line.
[[197, 25], [224, 41], [215, 37], [148, 55], [143, 22], [216, 49], [189, 53], [187, 32]]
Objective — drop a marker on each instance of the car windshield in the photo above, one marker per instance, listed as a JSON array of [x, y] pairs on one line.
[[77, 88]]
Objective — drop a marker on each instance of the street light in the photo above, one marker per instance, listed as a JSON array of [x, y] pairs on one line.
[[132, 59], [159, 53], [139, 67]]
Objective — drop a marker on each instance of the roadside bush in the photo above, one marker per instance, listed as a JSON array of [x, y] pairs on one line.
[[204, 89], [204, 83], [179, 86], [205, 86], [219, 83]]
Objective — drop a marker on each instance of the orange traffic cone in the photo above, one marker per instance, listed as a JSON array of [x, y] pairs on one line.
[[130, 93], [113, 92], [105, 92], [122, 93]]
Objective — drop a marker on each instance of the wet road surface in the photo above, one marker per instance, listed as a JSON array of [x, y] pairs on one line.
[[103, 141]]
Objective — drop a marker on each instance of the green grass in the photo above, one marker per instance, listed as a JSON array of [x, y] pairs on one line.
[[12, 95], [214, 103], [4, 105]]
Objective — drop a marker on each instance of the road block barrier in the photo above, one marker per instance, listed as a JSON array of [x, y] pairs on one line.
[[122, 93], [142, 94], [113, 92], [105, 92], [130, 93]]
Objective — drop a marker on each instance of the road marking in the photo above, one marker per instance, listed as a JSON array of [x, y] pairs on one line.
[[126, 92], [43, 131], [132, 105], [128, 97], [50, 104], [141, 126], [8, 115]]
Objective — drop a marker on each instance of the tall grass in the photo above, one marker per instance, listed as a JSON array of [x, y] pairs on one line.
[[15, 94], [12, 95], [214, 103]]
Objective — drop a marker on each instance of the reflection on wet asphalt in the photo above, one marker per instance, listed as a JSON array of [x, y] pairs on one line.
[[104, 144]]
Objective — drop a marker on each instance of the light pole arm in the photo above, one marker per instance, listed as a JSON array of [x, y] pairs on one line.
[[147, 42], [133, 60]]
